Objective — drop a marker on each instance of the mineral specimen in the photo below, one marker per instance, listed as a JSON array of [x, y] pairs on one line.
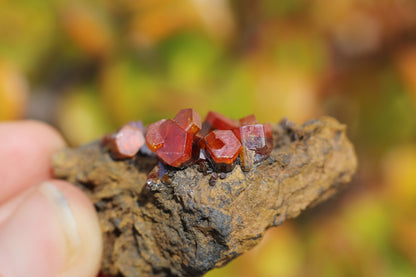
[[223, 147], [137, 124], [189, 120], [126, 142], [257, 138], [220, 122], [184, 140], [190, 222], [154, 140], [247, 120], [176, 149]]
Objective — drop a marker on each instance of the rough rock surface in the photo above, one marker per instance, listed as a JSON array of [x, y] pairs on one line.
[[186, 227]]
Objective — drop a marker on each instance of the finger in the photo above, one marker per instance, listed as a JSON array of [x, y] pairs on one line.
[[53, 232], [25, 150]]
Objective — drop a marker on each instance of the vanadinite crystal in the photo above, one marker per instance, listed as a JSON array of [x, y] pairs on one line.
[[223, 146], [126, 142], [257, 142], [154, 139], [250, 119], [137, 124], [189, 120], [176, 149], [178, 142], [220, 122]]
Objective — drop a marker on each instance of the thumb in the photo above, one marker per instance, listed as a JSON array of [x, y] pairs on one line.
[[54, 232]]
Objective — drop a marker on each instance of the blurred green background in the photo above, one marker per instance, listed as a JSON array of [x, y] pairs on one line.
[[88, 67]]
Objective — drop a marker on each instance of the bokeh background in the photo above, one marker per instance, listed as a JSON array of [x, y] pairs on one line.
[[88, 67]]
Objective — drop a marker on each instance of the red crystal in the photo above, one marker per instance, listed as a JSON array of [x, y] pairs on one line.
[[176, 149], [258, 139], [220, 122], [154, 140], [197, 147], [126, 142], [248, 120], [199, 141], [189, 120], [223, 146], [106, 139], [206, 128], [137, 124], [178, 142], [268, 133], [252, 136]]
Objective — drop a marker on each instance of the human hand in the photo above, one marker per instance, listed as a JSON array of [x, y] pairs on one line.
[[48, 228]]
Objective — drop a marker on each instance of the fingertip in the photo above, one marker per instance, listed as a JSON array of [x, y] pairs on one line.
[[26, 148], [34, 129], [47, 131]]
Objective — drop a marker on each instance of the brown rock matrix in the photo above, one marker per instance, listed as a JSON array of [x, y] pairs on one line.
[[185, 226]]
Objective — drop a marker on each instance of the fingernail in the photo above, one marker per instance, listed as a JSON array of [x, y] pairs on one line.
[[65, 217]]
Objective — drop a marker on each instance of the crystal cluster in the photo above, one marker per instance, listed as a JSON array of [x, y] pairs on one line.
[[184, 140]]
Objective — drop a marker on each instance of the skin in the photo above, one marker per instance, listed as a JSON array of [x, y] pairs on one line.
[[47, 227]]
